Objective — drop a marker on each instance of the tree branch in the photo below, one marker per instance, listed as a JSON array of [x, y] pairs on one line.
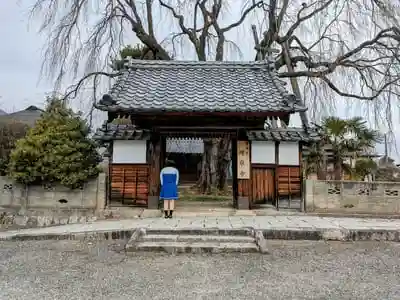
[[329, 67], [366, 68], [149, 10], [198, 43], [281, 15], [301, 19], [181, 22], [243, 17], [207, 23], [74, 89], [355, 96], [137, 27]]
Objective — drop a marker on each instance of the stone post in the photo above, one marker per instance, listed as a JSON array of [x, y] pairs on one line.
[[101, 192]]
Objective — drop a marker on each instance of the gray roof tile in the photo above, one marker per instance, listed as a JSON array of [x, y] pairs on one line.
[[109, 132], [284, 135], [187, 86]]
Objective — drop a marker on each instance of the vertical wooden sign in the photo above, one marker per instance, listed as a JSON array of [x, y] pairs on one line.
[[243, 160]]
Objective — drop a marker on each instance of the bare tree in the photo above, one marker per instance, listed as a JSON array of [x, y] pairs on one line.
[[353, 52], [328, 49], [201, 27]]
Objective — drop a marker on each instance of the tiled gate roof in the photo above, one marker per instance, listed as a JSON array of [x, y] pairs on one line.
[[109, 132], [290, 134], [187, 86]]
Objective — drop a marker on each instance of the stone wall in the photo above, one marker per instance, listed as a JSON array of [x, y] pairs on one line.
[[58, 205], [352, 197]]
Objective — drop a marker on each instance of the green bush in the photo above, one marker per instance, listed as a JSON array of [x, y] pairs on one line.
[[56, 150], [10, 132]]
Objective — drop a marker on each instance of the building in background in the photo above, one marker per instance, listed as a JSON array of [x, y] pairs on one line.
[[27, 116]]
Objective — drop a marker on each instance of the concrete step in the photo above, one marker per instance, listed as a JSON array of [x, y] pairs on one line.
[[194, 241], [202, 231], [197, 238], [194, 247]]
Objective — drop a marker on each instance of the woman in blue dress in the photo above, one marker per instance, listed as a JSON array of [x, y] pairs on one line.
[[169, 178]]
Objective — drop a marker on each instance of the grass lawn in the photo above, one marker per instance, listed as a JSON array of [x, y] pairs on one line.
[[191, 193]]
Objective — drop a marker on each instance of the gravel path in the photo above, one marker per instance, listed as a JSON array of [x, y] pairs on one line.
[[294, 270]]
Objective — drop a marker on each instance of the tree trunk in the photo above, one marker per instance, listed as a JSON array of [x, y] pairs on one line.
[[338, 170], [294, 83], [322, 167], [205, 180], [214, 162], [224, 158], [321, 174]]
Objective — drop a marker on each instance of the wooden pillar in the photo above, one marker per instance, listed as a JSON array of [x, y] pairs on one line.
[[155, 149], [109, 173], [243, 158], [302, 182], [277, 175], [234, 172]]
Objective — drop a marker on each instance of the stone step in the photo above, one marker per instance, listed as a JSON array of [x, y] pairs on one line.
[[195, 241], [204, 231], [194, 247], [197, 238]]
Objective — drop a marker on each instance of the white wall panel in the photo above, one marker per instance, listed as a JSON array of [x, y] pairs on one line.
[[129, 152], [262, 152], [289, 153]]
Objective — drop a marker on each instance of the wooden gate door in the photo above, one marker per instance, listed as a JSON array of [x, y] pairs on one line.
[[263, 184], [289, 182], [129, 184], [289, 187]]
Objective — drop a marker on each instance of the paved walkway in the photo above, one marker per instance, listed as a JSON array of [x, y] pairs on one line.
[[264, 223]]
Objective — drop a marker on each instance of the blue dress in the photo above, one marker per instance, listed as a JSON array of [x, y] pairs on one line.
[[169, 187]]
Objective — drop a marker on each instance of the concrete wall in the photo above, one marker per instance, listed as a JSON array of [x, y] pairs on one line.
[[352, 196], [16, 196]]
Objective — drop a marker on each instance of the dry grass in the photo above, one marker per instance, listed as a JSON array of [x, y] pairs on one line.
[[191, 193]]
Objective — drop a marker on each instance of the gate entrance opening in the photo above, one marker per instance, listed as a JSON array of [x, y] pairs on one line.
[[240, 103]]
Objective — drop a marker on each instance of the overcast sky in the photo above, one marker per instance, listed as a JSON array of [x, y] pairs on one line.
[[21, 58]]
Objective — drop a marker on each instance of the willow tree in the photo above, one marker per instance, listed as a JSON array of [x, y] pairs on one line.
[[327, 49]]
